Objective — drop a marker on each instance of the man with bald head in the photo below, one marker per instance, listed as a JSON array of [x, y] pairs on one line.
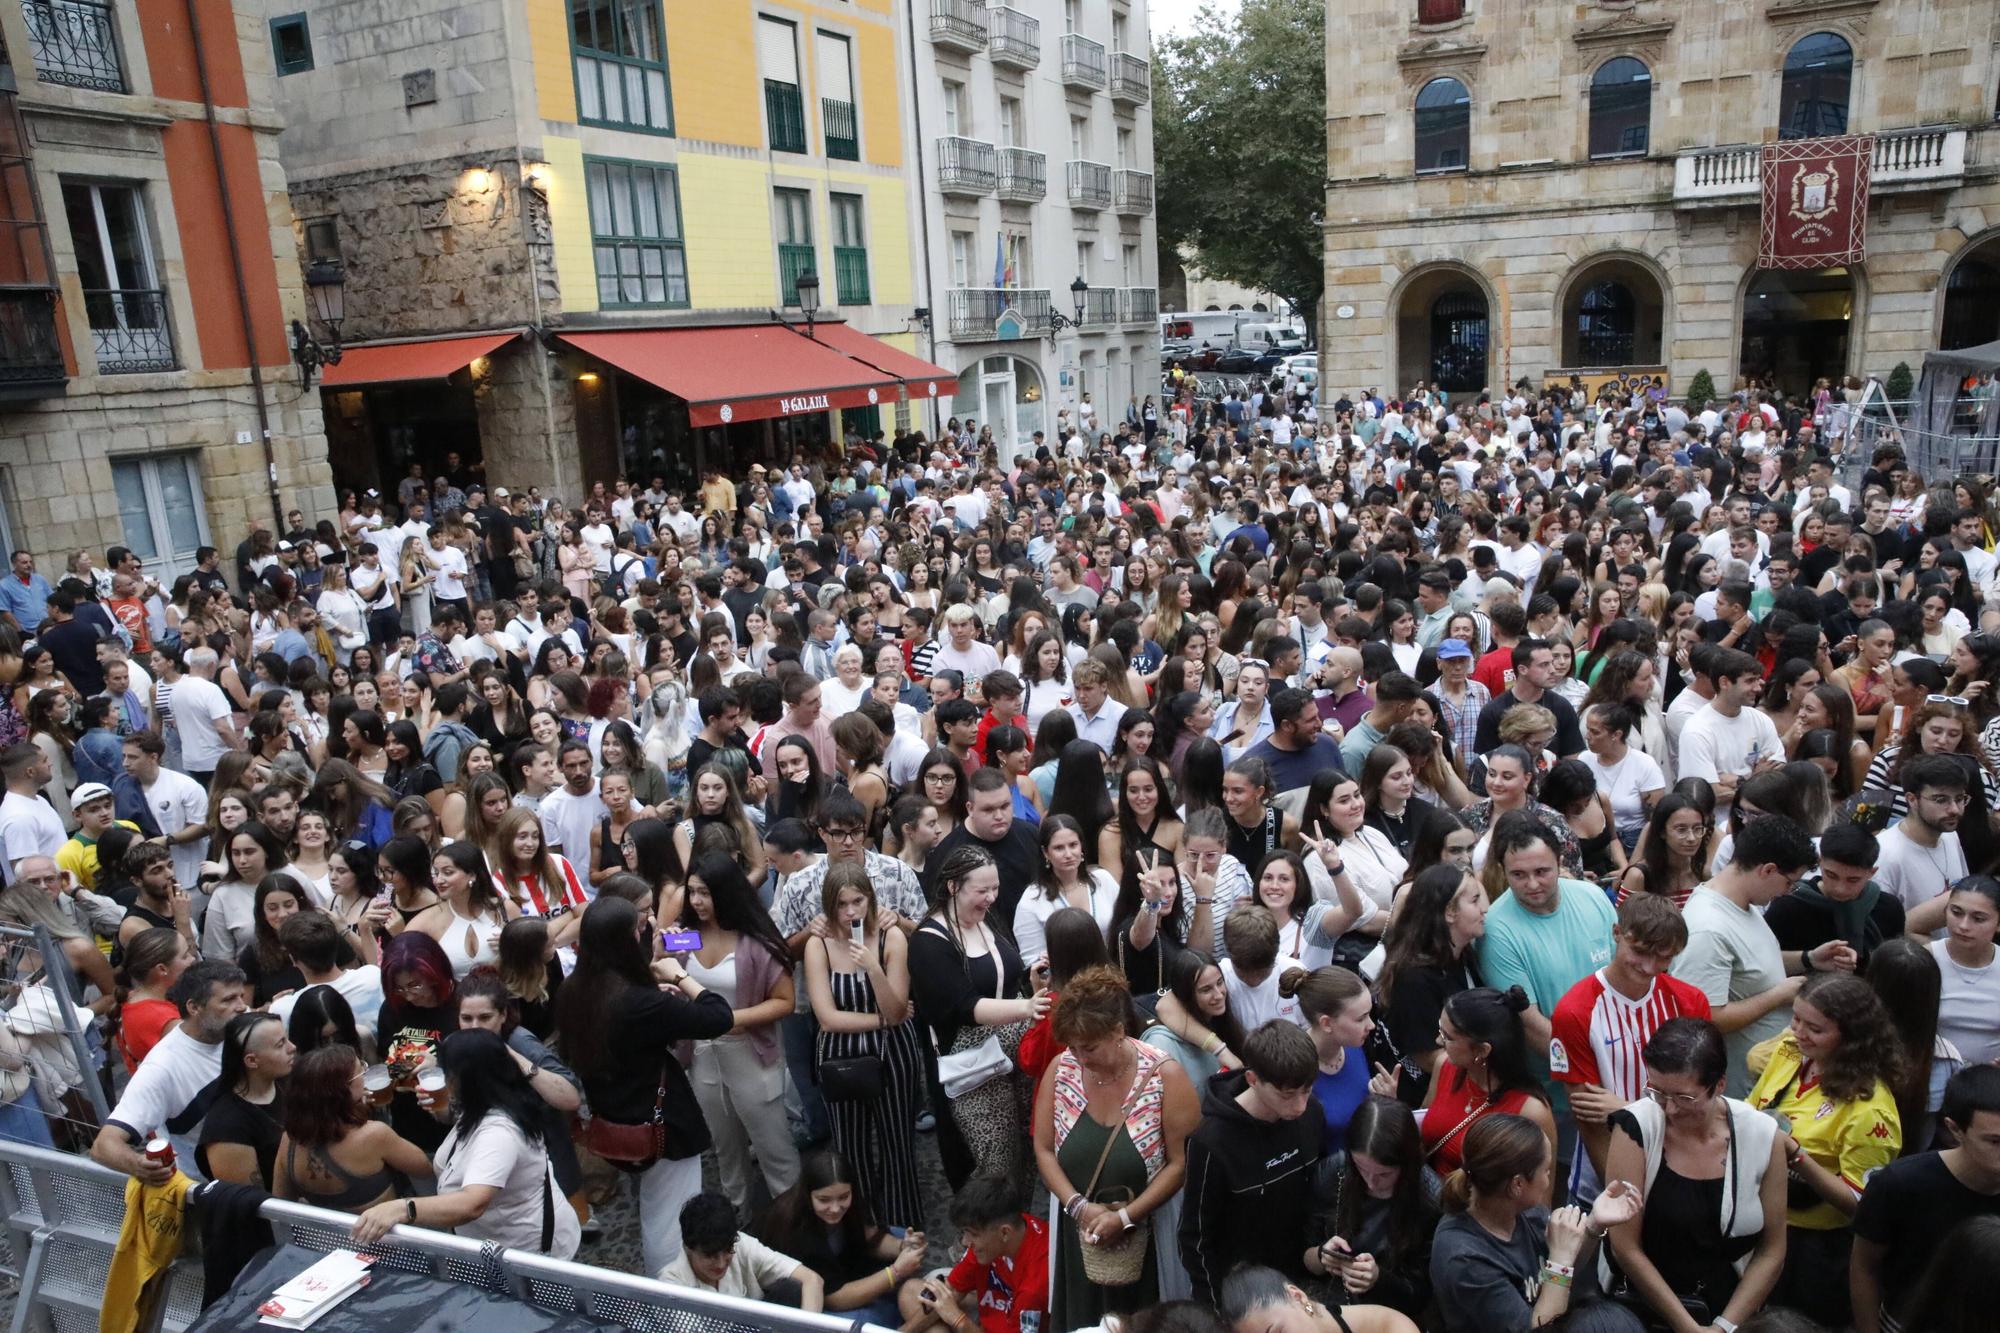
[[1344, 701]]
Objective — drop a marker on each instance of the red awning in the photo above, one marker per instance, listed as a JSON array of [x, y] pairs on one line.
[[428, 359], [925, 380], [749, 372]]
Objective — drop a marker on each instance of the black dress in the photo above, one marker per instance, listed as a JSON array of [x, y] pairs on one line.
[[1681, 1231]]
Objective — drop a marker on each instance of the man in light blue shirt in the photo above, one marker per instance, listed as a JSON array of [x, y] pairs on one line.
[[24, 595], [1544, 935]]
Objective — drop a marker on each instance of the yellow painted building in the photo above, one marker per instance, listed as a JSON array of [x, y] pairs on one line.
[[636, 165]]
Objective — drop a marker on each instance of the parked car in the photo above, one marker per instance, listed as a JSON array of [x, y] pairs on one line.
[[1237, 361]]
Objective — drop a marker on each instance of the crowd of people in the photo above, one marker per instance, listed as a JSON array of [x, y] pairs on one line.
[[1457, 863]]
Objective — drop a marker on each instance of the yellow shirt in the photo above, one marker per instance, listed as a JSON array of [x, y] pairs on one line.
[[149, 1240], [1852, 1139], [79, 856]]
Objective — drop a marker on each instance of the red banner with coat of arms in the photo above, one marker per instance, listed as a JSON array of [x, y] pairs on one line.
[[1816, 202]]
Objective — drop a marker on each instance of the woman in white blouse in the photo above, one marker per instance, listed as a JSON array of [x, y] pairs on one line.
[[345, 614], [1065, 881]]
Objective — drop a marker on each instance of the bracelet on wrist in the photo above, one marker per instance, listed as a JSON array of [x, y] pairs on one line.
[[1558, 1275], [1203, 902]]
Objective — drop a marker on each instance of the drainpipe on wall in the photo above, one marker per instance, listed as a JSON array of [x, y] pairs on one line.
[[236, 267], [923, 194]]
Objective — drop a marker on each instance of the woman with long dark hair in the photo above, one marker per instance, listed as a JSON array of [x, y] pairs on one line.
[[1145, 820], [1905, 976], [828, 1223], [1081, 791], [1431, 959], [1065, 881], [1380, 1219], [1198, 1029], [1673, 852], [321, 1016], [495, 1182], [1485, 1072], [470, 913], [633, 1077], [739, 1077]]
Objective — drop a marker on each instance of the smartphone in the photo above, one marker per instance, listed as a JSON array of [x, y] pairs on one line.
[[855, 931], [680, 941]]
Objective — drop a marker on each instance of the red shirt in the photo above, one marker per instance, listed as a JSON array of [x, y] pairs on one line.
[[1598, 1034], [1496, 671], [1454, 1111], [141, 1024], [1006, 1287]]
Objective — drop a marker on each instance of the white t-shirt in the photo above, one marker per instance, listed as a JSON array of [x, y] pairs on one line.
[[451, 569], [198, 705], [1713, 745], [1032, 913], [498, 1154], [1969, 1007], [601, 541], [976, 661], [1624, 781], [1259, 1004], [29, 826], [163, 1086], [1732, 955], [568, 819], [1915, 874], [361, 987], [178, 802]]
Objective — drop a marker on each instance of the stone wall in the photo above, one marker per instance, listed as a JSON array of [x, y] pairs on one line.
[[58, 457], [438, 246]]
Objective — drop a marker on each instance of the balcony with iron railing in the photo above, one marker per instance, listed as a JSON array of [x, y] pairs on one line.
[[1141, 305], [996, 314], [842, 127], [794, 262], [1100, 306], [130, 332], [850, 274], [1017, 37], [31, 358], [966, 167], [959, 25], [785, 114], [1131, 79], [1132, 191], [1024, 175], [75, 44], [1089, 185], [1926, 158], [1083, 63]]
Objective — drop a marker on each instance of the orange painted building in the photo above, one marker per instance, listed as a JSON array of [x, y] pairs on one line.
[[148, 280]]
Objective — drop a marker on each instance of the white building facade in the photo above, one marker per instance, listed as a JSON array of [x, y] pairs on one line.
[[1033, 127]]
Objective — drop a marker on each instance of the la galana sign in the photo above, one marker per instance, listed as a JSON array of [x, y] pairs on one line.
[[810, 403]]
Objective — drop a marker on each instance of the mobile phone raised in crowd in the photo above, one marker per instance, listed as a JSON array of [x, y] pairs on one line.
[[680, 941]]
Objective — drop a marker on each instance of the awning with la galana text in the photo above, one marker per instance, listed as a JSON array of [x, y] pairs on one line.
[[750, 372]]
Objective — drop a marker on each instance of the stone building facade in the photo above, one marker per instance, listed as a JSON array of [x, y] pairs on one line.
[[1520, 189], [147, 394]]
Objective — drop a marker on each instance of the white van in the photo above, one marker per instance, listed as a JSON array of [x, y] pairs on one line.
[[1269, 338], [1202, 328]]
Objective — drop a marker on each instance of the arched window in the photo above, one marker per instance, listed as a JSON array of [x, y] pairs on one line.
[[1621, 108], [1605, 324], [1819, 74], [1444, 126]]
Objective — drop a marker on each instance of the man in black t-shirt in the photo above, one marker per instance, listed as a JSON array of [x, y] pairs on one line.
[[1913, 1203], [1841, 901]]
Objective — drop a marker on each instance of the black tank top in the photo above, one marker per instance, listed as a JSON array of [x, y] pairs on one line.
[[1251, 845]]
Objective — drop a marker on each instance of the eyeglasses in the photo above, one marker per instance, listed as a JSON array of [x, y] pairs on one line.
[[1683, 1100], [842, 834], [1955, 700], [1957, 800]]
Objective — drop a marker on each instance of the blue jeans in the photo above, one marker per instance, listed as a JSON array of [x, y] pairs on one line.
[[22, 1121]]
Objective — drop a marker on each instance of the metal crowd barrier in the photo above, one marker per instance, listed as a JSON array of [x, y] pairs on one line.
[[62, 1215], [38, 991]]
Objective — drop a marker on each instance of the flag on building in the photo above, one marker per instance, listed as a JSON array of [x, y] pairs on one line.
[[1815, 202]]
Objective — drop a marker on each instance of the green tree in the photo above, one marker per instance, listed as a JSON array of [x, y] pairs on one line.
[[1700, 389], [1239, 144], [1901, 383]]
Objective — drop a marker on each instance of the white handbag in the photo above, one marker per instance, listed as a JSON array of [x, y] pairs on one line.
[[962, 1071]]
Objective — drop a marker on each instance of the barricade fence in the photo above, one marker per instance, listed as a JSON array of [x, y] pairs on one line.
[[52, 1064], [63, 1213]]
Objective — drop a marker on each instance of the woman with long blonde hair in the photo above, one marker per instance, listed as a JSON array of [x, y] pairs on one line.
[[534, 879]]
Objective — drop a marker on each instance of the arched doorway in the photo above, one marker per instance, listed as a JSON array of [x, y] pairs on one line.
[[1614, 314], [1972, 299], [1796, 327], [1009, 392], [1443, 331]]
